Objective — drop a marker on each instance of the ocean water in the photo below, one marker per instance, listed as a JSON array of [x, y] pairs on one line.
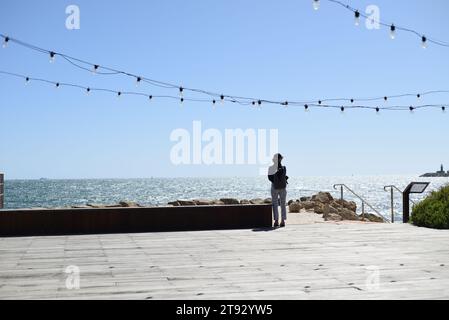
[[159, 191]]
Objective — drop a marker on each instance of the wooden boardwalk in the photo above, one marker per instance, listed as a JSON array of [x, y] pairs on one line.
[[316, 261]]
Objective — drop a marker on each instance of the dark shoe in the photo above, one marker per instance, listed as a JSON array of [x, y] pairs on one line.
[[282, 224], [276, 224]]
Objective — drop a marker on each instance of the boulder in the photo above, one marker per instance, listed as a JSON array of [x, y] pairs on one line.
[[347, 214], [129, 204], [319, 208], [218, 203], [323, 197], [332, 217], [295, 207], [174, 203], [304, 199], [256, 201], [186, 203], [308, 205], [203, 202], [267, 201], [244, 201], [95, 205], [371, 218], [350, 205], [229, 201]]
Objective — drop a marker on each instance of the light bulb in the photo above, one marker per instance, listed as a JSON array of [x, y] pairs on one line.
[[150, 97], [52, 57], [443, 108], [95, 69], [424, 42], [316, 4], [259, 103], [357, 18], [214, 103], [306, 107], [119, 94], [182, 101], [5, 42], [181, 92], [222, 99], [418, 96], [138, 80], [57, 85], [87, 91], [377, 110], [411, 109], [27, 80], [392, 32], [342, 109]]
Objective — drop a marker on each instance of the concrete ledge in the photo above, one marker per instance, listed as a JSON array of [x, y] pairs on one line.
[[132, 220]]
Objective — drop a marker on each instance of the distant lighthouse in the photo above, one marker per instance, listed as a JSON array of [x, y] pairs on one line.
[[442, 169]]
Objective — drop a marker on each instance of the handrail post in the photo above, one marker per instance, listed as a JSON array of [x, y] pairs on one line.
[[341, 192], [363, 210], [392, 205]]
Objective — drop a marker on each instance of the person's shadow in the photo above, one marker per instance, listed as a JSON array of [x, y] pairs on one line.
[[264, 229]]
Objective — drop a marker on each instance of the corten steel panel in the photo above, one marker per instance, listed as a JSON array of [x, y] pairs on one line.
[[130, 220], [2, 190]]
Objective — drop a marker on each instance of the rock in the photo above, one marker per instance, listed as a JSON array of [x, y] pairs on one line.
[[228, 201], [291, 201], [186, 203], [80, 207], [304, 199], [218, 203], [244, 201], [347, 214], [95, 205], [350, 205], [174, 203], [129, 204], [332, 217], [267, 201], [295, 207], [203, 202], [371, 218], [256, 201], [323, 197], [308, 205], [319, 208]]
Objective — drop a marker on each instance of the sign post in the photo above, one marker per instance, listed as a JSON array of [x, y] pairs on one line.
[[414, 187]]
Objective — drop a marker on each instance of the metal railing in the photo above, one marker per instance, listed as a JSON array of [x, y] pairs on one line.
[[392, 189], [2, 190], [364, 202]]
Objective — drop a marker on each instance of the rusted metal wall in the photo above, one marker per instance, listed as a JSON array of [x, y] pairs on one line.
[[2, 190], [131, 220]]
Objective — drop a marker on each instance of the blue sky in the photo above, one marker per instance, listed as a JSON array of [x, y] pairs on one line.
[[276, 50]]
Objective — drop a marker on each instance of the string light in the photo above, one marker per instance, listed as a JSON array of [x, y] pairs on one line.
[[87, 90], [316, 4], [357, 18], [181, 89], [182, 101], [424, 42], [393, 28], [342, 109], [258, 102], [138, 80], [306, 107], [5, 42], [52, 56], [392, 32], [240, 100]]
